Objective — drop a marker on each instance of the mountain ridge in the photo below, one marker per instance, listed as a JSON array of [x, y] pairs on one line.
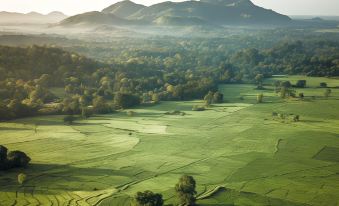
[[214, 12], [31, 17]]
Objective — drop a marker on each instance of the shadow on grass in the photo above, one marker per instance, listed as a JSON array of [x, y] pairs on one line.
[[54, 179], [14, 129]]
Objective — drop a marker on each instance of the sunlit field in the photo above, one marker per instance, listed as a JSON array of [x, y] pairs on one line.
[[238, 152]]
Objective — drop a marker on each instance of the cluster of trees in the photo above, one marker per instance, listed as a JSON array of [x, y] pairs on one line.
[[20, 98], [313, 58], [185, 190], [148, 72], [12, 159]]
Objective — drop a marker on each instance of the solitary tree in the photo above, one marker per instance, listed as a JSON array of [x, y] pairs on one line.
[[185, 190], [260, 98], [301, 83], [69, 119], [259, 78], [22, 178], [208, 98], [148, 198], [327, 93]]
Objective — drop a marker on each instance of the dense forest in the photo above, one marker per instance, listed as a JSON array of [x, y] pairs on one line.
[[163, 70]]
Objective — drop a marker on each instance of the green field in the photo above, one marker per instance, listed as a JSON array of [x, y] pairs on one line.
[[237, 152]]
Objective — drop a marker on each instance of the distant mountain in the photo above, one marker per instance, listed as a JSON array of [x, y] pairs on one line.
[[30, 18], [123, 9], [203, 12], [93, 17]]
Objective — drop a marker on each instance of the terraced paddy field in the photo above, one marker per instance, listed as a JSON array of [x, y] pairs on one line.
[[237, 151]]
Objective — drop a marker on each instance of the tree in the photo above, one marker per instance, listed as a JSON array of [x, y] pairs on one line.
[[259, 79], [85, 112], [260, 98], [22, 178], [148, 198], [208, 98], [18, 159], [69, 119], [100, 106], [3, 157], [301, 84], [125, 100], [323, 84], [301, 95], [185, 190], [327, 93], [218, 97]]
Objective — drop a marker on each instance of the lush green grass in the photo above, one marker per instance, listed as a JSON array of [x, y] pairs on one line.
[[237, 146]]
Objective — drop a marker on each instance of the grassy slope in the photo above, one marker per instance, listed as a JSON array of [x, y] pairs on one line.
[[236, 145]]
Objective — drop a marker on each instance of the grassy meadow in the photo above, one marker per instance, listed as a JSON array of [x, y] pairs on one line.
[[237, 151]]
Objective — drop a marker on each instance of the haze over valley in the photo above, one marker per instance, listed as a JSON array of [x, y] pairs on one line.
[[210, 102]]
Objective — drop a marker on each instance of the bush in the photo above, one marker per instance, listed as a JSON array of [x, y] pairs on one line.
[[176, 112], [22, 178], [148, 198], [18, 159], [323, 84], [301, 84], [69, 119], [260, 98], [198, 108], [185, 190], [131, 113]]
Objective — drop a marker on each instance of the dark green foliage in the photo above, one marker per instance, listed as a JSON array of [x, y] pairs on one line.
[[323, 84], [198, 108], [125, 100], [17, 159], [3, 157], [32, 62], [218, 97], [12, 159], [301, 84], [185, 190], [301, 95], [69, 119], [86, 112], [327, 93], [148, 198], [100, 106], [260, 98]]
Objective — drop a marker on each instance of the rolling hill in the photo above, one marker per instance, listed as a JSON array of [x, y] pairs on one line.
[[213, 12], [31, 18], [123, 9]]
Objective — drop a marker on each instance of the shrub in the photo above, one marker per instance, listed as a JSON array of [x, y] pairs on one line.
[[69, 119], [22, 178], [301, 95], [323, 84], [18, 159], [260, 98], [176, 112], [131, 113], [296, 118], [148, 198], [301, 84], [198, 108], [185, 190]]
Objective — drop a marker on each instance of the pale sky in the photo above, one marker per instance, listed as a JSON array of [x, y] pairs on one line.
[[71, 7]]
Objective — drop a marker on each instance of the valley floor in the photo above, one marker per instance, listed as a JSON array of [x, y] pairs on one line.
[[237, 151]]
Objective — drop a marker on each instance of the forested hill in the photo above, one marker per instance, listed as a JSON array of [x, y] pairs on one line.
[[207, 12], [32, 62]]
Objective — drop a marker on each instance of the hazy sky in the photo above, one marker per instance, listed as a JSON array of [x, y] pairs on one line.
[[288, 7]]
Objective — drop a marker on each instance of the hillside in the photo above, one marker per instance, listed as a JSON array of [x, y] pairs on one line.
[[221, 12], [31, 18], [123, 9], [94, 17]]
